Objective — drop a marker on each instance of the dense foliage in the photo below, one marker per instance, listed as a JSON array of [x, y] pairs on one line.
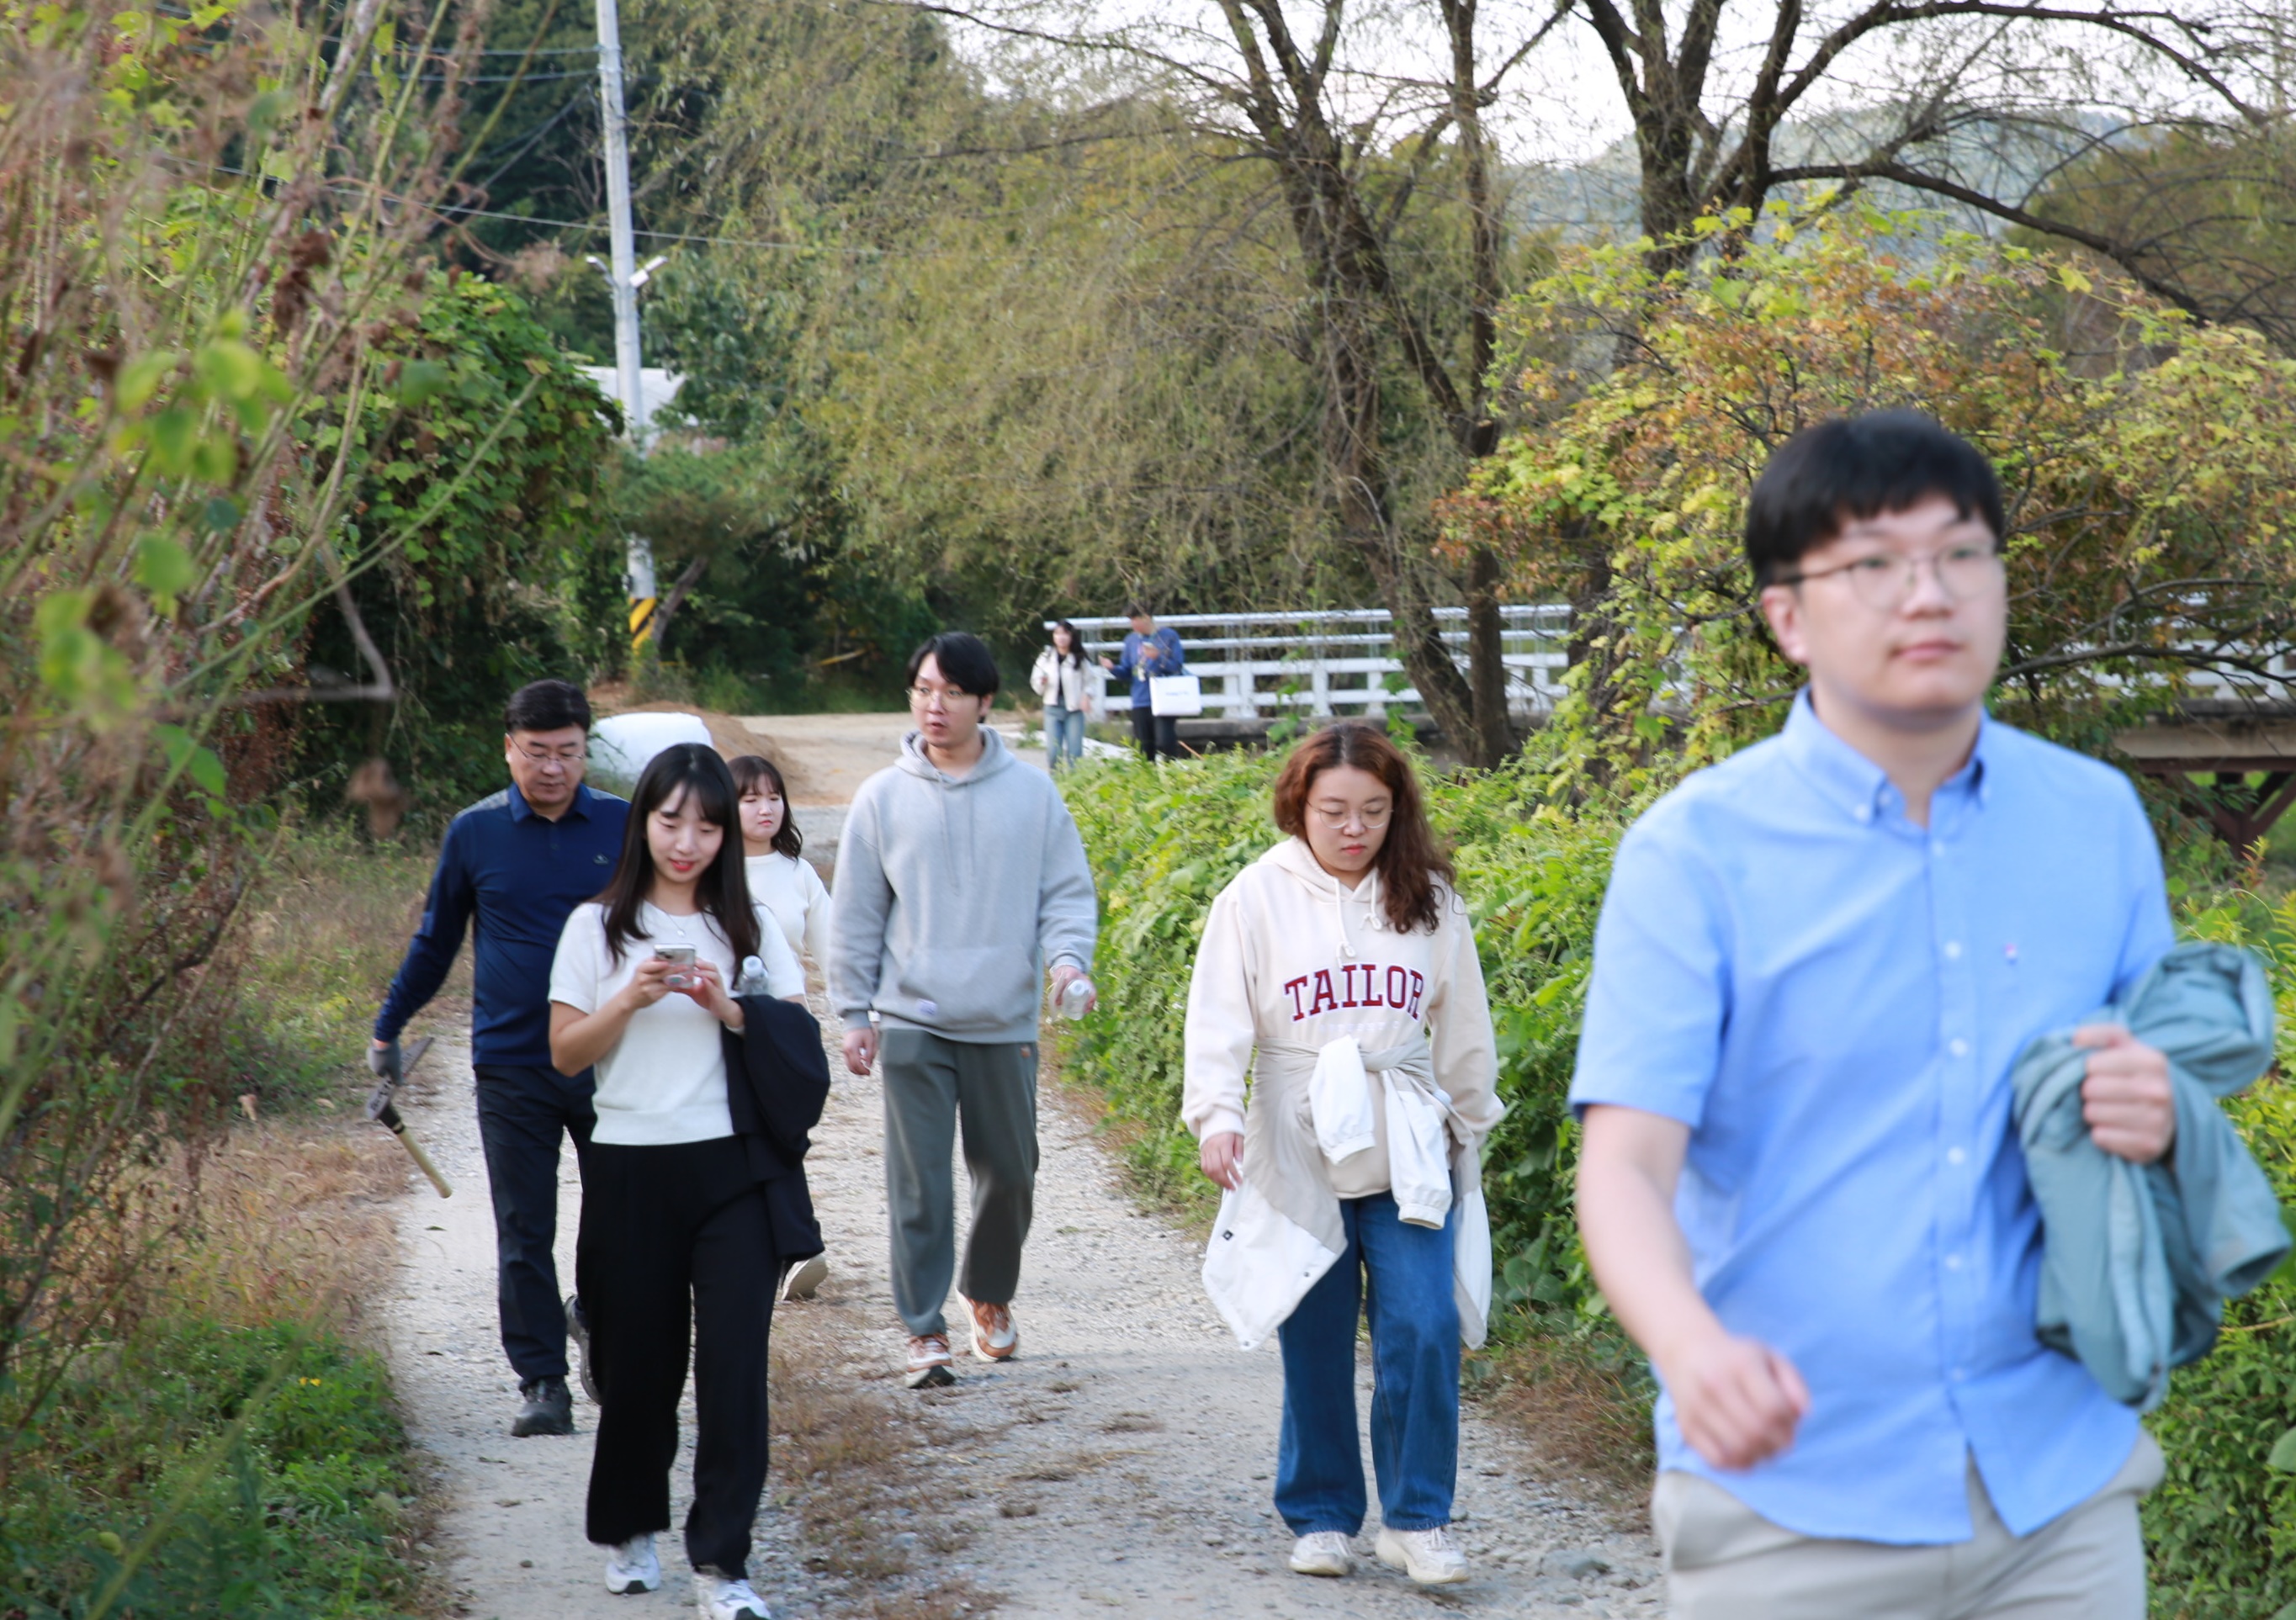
[[2223, 1525], [506, 567], [2150, 465], [220, 346]]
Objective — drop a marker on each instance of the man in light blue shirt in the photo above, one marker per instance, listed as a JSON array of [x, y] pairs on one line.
[[1799, 1185]]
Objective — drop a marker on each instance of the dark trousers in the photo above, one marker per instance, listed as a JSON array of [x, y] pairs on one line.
[[1153, 734], [674, 1236], [931, 1084], [521, 1114]]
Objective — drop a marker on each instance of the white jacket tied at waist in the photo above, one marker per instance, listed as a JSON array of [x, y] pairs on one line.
[[1281, 1230]]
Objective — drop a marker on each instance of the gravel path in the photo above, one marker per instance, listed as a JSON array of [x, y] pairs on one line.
[[1120, 1465]]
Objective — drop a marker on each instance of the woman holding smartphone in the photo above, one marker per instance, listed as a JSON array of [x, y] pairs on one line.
[[676, 1230]]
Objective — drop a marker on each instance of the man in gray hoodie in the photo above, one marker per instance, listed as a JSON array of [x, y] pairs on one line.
[[960, 877]]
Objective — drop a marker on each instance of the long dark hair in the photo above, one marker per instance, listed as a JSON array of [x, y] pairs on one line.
[[749, 771], [1075, 645], [1410, 862], [724, 891]]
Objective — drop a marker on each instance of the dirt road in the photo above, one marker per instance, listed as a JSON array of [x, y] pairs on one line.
[[1120, 1465]]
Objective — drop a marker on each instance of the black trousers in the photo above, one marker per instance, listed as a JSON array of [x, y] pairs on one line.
[[1153, 734], [672, 1236], [523, 1112]]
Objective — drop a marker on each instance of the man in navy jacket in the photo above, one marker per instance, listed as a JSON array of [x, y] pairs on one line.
[[516, 865]]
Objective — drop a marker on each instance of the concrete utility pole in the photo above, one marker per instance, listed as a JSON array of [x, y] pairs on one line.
[[623, 274]]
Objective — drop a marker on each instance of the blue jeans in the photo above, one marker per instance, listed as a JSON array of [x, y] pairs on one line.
[[1063, 735], [1414, 1402]]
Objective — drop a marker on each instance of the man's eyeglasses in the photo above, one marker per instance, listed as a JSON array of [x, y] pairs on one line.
[[928, 697], [568, 758], [1883, 580]]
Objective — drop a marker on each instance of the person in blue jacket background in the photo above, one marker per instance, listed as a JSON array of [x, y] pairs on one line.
[[1150, 652], [512, 869]]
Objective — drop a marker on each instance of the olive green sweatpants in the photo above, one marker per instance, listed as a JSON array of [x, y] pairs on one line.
[[932, 1084]]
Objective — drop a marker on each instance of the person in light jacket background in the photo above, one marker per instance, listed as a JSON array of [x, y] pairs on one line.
[[1149, 650], [1064, 680], [1346, 940], [785, 883], [960, 879]]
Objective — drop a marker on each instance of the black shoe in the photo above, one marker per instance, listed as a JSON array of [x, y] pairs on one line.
[[578, 1328], [549, 1409]]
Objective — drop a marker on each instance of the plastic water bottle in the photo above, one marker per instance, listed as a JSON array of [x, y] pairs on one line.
[[1075, 997], [752, 981]]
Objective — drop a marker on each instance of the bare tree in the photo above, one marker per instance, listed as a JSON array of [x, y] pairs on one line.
[[1982, 104], [1369, 122]]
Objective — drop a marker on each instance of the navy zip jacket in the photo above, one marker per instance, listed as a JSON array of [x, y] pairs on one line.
[[522, 877]]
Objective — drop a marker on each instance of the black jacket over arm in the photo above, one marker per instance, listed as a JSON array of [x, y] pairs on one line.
[[777, 1084]]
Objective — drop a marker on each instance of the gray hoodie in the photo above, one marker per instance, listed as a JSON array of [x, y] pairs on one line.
[[953, 895]]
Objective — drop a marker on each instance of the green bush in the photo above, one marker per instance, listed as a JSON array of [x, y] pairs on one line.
[[2222, 1528], [272, 1454]]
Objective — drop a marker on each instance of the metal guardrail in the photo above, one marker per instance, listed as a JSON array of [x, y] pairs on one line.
[[1340, 661]]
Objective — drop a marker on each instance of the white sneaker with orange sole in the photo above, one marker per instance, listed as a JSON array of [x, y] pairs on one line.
[[929, 1361], [995, 1339]]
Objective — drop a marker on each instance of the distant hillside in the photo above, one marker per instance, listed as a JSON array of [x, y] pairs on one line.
[[1598, 198]]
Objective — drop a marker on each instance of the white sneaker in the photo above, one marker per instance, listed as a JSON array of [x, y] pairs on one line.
[[633, 1566], [804, 1278], [715, 1598], [994, 1335], [1322, 1552], [1429, 1557]]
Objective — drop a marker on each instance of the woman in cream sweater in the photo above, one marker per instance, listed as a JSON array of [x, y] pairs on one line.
[[1339, 970]]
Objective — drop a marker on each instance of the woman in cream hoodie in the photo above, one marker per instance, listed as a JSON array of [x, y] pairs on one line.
[[1340, 972]]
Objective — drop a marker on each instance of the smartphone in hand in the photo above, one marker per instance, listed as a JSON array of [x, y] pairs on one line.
[[683, 955]]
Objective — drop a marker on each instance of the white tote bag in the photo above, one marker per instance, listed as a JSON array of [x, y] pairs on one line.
[[1179, 694]]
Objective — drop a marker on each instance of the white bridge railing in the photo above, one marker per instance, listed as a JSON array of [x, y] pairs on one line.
[[1340, 661]]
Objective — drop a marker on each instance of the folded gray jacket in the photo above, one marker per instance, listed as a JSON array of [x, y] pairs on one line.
[[2137, 1260]]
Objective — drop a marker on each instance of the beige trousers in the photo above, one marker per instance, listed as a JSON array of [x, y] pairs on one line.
[[1724, 1561]]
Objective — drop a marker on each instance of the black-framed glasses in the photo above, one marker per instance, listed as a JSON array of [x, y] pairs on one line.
[[1883, 580]]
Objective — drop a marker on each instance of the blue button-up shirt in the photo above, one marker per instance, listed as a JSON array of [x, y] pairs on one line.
[[1831, 997], [521, 876]]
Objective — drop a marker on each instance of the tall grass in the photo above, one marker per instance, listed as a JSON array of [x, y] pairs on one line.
[[228, 1444]]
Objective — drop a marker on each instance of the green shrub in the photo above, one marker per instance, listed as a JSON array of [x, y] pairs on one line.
[[2222, 1528], [272, 1451]]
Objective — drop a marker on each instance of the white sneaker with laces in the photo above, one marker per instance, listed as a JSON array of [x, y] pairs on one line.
[[1429, 1557], [632, 1567], [1322, 1552], [805, 1279], [715, 1597]]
